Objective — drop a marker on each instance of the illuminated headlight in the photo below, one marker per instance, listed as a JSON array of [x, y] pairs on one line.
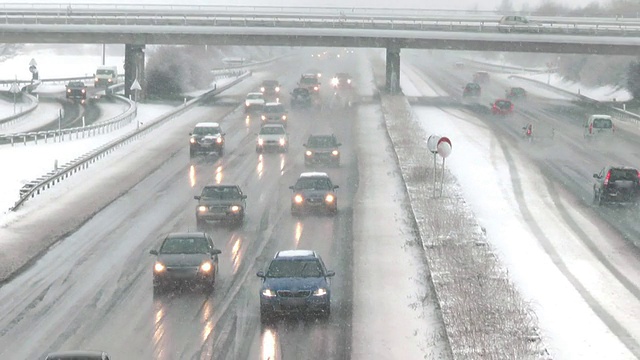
[[206, 266], [96, 79], [335, 153], [284, 117], [260, 142], [348, 81], [335, 81], [235, 208], [109, 80], [219, 140], [277, 88], [202, 208], [159, 267], [282, 141], [315, 88], [262, 89], [298, 199], [308, 153], [69, 90], [192, 140], [84, 91], [329, 198], [263, 117], [320, 292], [246, 103], [268, 293]]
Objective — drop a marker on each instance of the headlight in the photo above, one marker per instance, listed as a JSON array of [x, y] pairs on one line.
[[268, 293], [320, 292], [262, 89], [298, 199], [284, 117], [308, 153], [235, 208], [315, 88], [329, 198], [219, 140], [319, 75], [246, 103], [277, 88], [335, 153], [69, 90], [260, 142], [96, 79], [263, 117], [110, 80], [84, 91], [202, 208], [348, 81], [158, 267], [206, 266], [335, 81], [282, 141], [192, 140]]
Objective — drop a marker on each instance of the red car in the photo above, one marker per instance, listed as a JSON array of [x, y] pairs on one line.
[[502, 107]]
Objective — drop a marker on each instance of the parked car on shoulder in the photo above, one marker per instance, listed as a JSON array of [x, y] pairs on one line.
[[295, 281], [515, 93], [472, 90], [599, 126], [185, 258], [224, 203], [207, 137], [617, 184], [501, 107], [517, 23], [272, 137], [274, 112], [323, 149], [78, 355], [314, 191], [254, 101]]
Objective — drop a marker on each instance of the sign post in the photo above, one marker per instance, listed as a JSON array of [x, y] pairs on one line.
[[444, 150], [135, 87], [432, 144], [14, 89]]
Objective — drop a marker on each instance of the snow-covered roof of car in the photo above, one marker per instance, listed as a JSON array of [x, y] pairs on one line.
[[272, 104], [314, 174], [208, 124], [255, 94], [272, 125], [296, 253], [600, 116]]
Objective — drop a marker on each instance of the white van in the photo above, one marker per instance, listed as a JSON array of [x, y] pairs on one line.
[[599, 125]]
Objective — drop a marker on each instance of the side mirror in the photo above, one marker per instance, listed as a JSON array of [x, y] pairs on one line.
[[330, 273], [154, 252], [216, 252], [260, 274], [243, 197], [197, 197], [291, 187], [596, 176], [336, 186]]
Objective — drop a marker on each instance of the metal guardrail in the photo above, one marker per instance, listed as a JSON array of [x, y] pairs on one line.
[[33, 104], [34, 188]]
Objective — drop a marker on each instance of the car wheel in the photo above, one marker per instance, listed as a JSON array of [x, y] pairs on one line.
[[599, 200]]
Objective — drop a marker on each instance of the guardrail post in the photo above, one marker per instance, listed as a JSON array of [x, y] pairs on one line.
[[35, 138]]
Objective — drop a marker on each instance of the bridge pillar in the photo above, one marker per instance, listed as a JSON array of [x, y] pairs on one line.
[[133, 69], [392, 85]]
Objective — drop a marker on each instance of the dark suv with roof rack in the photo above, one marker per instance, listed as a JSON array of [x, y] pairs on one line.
[[617, 184], [322, 149]]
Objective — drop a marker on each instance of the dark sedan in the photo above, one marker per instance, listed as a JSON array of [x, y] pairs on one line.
[[185, 258]]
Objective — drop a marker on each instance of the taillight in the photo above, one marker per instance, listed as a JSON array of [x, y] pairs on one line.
[[606, 178]]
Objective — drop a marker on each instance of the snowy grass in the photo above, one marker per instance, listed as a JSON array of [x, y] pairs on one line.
[[485, 316]]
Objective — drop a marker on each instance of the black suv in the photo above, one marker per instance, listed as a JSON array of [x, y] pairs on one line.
[[301, 97], [206, 137], [220, 203], [322, 149], [616, 184], [270, 87], [314, 191]]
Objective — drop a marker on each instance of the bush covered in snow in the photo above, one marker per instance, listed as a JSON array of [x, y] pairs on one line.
[[174, 70], [485, 316]]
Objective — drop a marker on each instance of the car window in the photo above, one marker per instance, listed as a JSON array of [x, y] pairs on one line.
[[274, 109], [270, 83], [254, 96], [299, 91], [220, 192], [186, 245], [623, 174], [206, 130], [294, 268], [602, 123], [272, 130], [313, 184], [321, 141], [309, 81], [503, 104]]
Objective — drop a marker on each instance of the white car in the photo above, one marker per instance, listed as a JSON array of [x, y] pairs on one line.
[[254, 100], [515, 23], [272, 137]]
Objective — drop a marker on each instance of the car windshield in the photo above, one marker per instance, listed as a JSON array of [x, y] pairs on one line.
[[220, 192], [272, 130], [274, 109], [502, 104], [473, 86], [270, 83], [300, 92], [104, 72], [321, 141], [602, 123], [76, 84], [624, 174], [294, 268], [517, 91], [206, 130], [255, 97], [185, 245], [308, 81], [310, 183]]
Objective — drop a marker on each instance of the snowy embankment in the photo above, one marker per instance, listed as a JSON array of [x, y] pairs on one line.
[[484, 314]]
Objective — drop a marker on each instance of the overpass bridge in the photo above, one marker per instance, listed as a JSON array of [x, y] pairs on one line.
[[392, 29]]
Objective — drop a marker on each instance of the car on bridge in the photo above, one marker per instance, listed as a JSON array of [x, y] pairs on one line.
[[272, 137], [515, 93], [472, 90], [322, 149], [78, 355], [207, 137], [501, 107], [254, 101], [274, 113], [517, 23], [185, 258], [220, 203], [76, 90], [314, 191], [296, 281], [617, 184]]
